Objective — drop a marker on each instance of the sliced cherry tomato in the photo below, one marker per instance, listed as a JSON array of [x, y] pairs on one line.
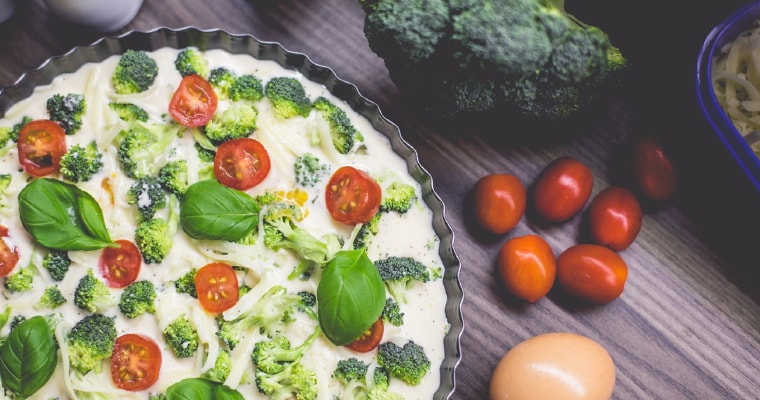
[[527, 266], [615, 218], [562, 189], [653, 173], [135, 362], [499, 202], [217, 287], [194, 102], [352, 196], [241, 163], [8, 255], [369, 339], [120, 266], [592, 272], [41, 144]]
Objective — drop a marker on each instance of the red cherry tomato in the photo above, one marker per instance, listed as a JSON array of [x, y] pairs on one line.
[[562, 189], [369, 339], [592, 273], [653, 173], [615, 218], [352, 196], [527, 266], [217, 287], [135, 362], [241, 163], [120, 266], [499, 202], [194, 102], [8, 255], [41, 144]]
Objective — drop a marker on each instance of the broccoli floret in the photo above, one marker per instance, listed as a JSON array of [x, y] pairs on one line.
[[288, 97], [21, 280], [279, 372], [5, 182], [173, 177], [379, 388], [221, 368], [143, 146], [204, 154], [67, 111], [400, 273], [351, 370], [268, 314], [398, 197], [92, 294], [90, 342], [191, 60], [10, 134], [309, 170], [246, 87], [342, 131], [281, 232], [80, 163], [148, 195], [221, 79], [392, 312], [129, 112], [138, 298], [456, 58], [367, 231], [52, 298], [135, 72], [155, 239], [236, 121], [408, 363], [16, 321], [182, 337], [308, 304], [57, 263], [186, 283]]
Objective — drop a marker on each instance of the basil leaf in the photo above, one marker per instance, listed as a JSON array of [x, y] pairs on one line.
[[200, 388], [210, 210], [61, 216], [350, 296], [28, 357]]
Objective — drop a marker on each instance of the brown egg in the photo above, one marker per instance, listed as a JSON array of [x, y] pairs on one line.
[[557, 366]]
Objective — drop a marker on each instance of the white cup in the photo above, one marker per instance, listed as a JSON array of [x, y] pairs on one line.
[[101, 15]]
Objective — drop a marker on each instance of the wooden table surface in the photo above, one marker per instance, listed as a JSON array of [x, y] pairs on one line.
[[687, 325]]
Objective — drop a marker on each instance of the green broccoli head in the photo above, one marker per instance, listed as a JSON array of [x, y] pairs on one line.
[[80, 163], [236, 121], [57, 263], [10, 134], [246, 87], [181, 337], [400, 273], [142, 147], [51, 298], [173, 177], [155, 239], [148, 195], [282, 232], [67, 111], [134, 73], [367, 231], [186, 283], [191, 60], [398, 197], [279, 372], [408, 363], [92, 294], [22, 280], [351, 370], [392, 313], [221, 78], [137, 299], [129, 112], [90, 342], [309, 169], [288, 97], [342, 131], [221, 369]]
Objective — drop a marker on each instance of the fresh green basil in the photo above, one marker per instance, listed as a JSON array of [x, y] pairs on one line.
[[350, 296], [62, 216], [28, 357], [199, 388], [210, 210]]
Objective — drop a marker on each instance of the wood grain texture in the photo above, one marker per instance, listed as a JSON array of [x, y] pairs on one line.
[[688, 323]]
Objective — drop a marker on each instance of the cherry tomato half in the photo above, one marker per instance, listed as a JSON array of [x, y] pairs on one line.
[[562, 189], [8, 255], [614, 217], [194, 102], [41, 144], [135, 362], [527, 266], [653, 173], [241, 163], [119, 266], [217, 287], [499, 202], [369, 339], [592, 273], [352, 196]]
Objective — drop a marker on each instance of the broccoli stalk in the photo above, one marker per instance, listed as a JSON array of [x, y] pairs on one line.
[[281, 231], [90, 342], [342, 131], [400, 273], [279, 372], [67, 111], [138, 298], [408, 363], [80, 163]]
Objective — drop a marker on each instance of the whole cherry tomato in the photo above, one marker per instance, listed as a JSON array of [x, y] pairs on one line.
[[499, 202], [41, 145], [217, 287], [120, 266], [527, 266], [369, 339], [135, 362], [194, 102], [653, 172], [592, 272], [562, 189], [614, 217], [352, 196]]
